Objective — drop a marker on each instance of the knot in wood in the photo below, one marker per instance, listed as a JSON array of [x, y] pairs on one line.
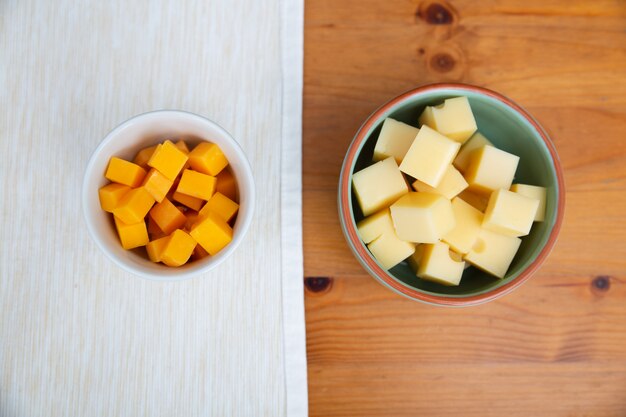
[[442, 62], [318, 284], [436, 13]]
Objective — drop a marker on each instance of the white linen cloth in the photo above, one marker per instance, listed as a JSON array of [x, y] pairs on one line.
[[78, 335]]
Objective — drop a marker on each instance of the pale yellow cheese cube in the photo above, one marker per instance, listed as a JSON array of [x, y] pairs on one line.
[[478, 201], [468, 224], [414, 260], [394, 140], [438, 265], [375, 225], [490, 169], [389, 250], [536, 192], [429, 156], [462, 159], [453, 118], [426, 118], [510, 213], [378, 185], [450, 186], [422, 217], [493, 252]]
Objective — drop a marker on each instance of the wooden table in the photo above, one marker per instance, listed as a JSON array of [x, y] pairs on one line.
[[557, 345]]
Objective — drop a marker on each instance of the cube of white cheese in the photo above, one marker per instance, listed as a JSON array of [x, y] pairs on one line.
[[468, 224], [429, 156], [395, 139], [378, 185], [450, 186], [375, 225], [478, 201], [536, 192], [438, 265], [422, 217], [453, 118], [509, 213], [490, 169], [389, 250], [477, 141], [493, 252], [414, 260]]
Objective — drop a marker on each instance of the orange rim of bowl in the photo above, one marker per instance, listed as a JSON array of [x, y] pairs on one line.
[[383, 275]]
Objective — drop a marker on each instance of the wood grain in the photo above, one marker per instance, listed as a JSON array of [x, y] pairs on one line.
[[79, 336], [557, 345]]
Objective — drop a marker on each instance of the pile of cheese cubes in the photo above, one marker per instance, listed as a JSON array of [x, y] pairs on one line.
[[179, 204], [463, 206]]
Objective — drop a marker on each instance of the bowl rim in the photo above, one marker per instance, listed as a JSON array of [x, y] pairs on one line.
[[363, 255], [178, 274]]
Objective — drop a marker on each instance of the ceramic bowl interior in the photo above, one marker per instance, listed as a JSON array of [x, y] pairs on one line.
[[510, 128], [125, 141]]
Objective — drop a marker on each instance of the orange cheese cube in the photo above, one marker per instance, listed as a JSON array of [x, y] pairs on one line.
[[144, 155], [131, 235], [155, 248], [153, 229], [212, 233], [178, 249], [168, 159], [134, 206], [124, 172], [167, 216], [157, 184], [189, 201], [226, 184], [192, 216], [207, 158], [196, 184], [199, 253], [220, 205], [111, 194], [182, 146]]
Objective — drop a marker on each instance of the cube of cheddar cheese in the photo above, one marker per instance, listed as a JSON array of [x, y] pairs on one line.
[[468, 224], [178, 249], [167, 216], [220, 205], [510, 213], [450, 186], [490, 169], [453, 118], [493, 252], [131, 235], [134, 206], [394, 140], [155, 247], [212, 233], [193, 203], [429, 156], [124, 172], [422, 217], [226, 184], [157, 184], [196, 184], [207, 158], [437, 264], [111, 194], [477, 141], [536, 192], [143, 156], [375, 225], [389, 250], [168, 159], [378, 185]]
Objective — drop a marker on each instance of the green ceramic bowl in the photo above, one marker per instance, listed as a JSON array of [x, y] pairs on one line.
[[512, 129]]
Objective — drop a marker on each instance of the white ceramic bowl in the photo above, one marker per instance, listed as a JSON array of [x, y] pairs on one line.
[[142, 131]]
